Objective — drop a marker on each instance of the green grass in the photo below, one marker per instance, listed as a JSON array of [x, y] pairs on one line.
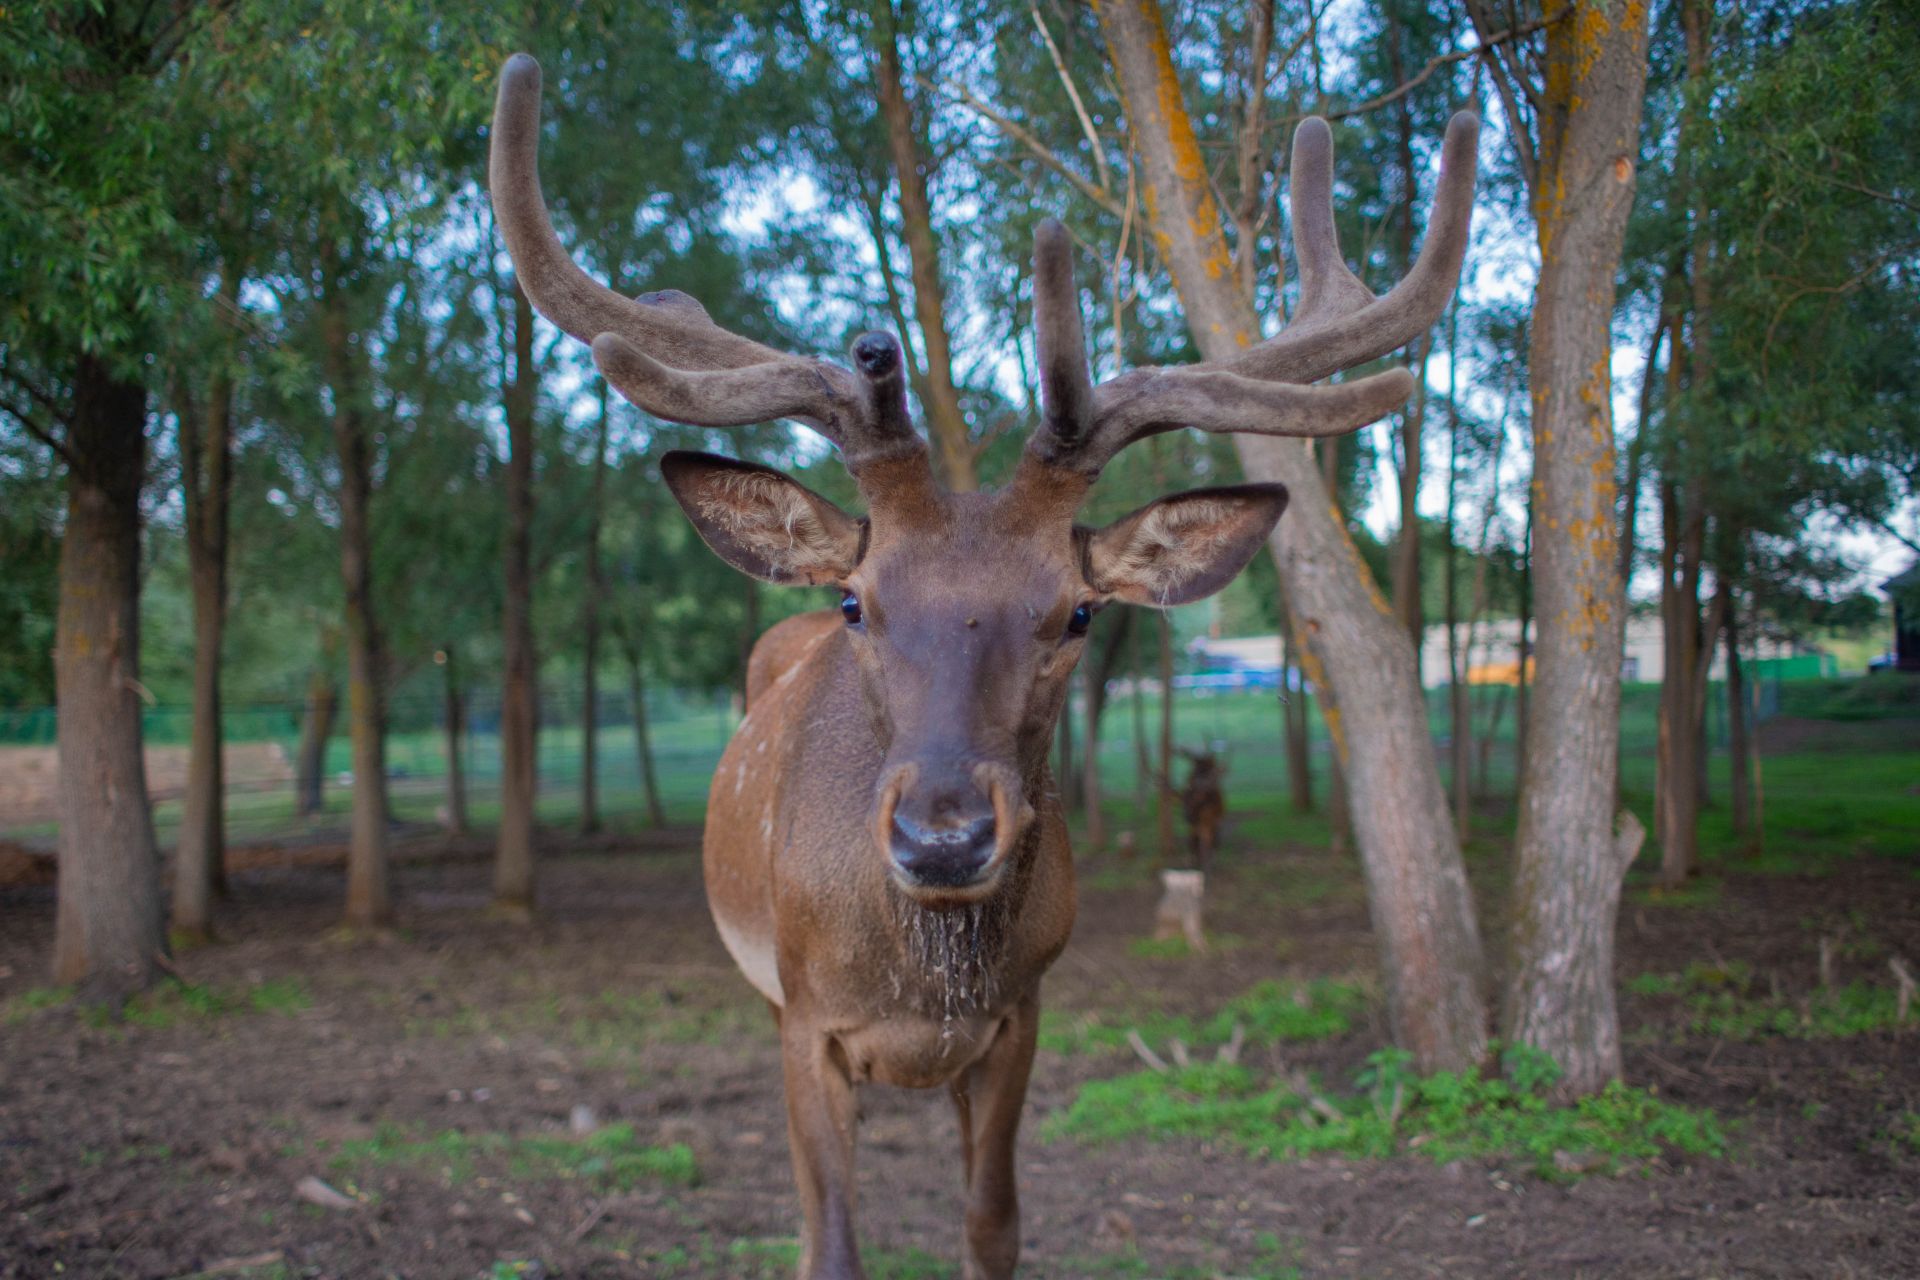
[[1724, 1001], [28, 1003], [1447, 1116], [1269, 1012], [609, 1159], [170, 1004]]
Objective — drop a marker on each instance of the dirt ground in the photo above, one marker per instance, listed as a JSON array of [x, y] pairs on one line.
[[175, 1149]]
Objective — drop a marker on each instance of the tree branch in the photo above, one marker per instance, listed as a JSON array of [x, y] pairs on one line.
[[38, 432], [1420, 77], [1041, 152], [1073, 95]]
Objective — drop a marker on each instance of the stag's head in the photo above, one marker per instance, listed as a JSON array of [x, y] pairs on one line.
[[966, 612]]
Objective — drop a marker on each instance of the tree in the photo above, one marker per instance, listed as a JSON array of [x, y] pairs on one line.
[[513, 875], [1576, 137], [1352, 647], [92, 254]]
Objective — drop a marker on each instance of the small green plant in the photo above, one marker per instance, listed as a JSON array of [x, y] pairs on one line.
[[1445, 1116], [1904, 1132], [609, 1159], [1268, 1013]]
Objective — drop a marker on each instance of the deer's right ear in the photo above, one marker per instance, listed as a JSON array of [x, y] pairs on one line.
[[764, 523]]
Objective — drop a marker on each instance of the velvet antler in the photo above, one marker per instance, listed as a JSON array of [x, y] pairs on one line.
[[1264, 390]]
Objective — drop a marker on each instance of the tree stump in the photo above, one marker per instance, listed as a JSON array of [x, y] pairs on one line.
[[1179, 911]]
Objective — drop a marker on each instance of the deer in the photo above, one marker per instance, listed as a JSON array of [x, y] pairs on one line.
[[1204, 804], [885, 855]]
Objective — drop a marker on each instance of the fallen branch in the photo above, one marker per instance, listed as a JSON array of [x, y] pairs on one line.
[[1147, 1055]]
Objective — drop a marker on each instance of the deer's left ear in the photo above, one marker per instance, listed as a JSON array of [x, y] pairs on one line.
[[762, 522], [1184, 547]]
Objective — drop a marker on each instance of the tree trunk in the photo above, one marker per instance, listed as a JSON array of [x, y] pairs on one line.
[[1068, 780], [1460, 735], [1163, 781], [940, 401], [1406, 550], [1739, 789], [1353, 647], [1678, 775], [1569, 861], [637, 695], [316, 727], [455, 717], [108, 932], [369, 903], [1142, 754], [199, 868], [513, 869], [749, 634], [1090, 759], [1523, 651], [590, 638], [1293, 712]]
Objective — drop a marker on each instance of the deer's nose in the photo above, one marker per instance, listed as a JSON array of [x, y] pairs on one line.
[[948, 845]]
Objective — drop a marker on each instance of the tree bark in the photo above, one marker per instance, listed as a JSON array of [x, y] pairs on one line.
[[108, 937], [206, 451], [590, 637], [316, 727], [1352, 644], [513, 865], [455, 718], [940, 400], [1569, 862], [369, 901]]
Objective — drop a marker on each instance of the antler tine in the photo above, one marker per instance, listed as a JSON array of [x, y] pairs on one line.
[[661, 350], [672, 325], [1340, 323], [1066, 383], [1146, 402]]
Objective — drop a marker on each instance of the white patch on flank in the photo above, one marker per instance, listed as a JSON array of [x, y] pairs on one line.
[[755, 958]]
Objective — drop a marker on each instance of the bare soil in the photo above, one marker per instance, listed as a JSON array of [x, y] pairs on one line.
[[157, 1151]]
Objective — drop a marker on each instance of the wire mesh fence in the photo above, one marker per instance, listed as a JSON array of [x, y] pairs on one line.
[[685, 734]]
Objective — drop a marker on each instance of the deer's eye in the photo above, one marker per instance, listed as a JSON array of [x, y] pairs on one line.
[[850, 608], [1082, 619]]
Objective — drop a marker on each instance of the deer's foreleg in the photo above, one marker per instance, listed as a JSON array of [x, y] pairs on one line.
[[989, 1098], [821, 1119]]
